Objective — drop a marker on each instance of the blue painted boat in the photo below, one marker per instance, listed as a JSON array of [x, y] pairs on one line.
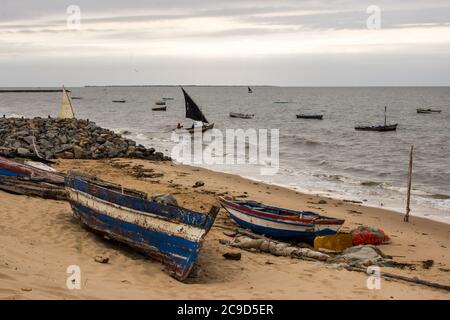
[[280, 223], [170, 234]]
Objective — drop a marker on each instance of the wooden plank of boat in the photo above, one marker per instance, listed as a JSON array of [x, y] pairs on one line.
[[15, 169], [241, 115], [159, 109], [380, 128], [310, 116], [33, 188], [428, 111], [170, 234], [279, 222]]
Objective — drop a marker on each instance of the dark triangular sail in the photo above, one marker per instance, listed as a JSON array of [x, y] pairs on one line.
[[192, 110], [250, 90]]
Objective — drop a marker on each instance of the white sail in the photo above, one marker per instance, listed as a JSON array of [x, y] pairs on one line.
[[66, 111]]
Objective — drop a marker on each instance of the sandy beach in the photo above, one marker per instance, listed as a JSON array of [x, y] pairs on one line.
[[39, 239]]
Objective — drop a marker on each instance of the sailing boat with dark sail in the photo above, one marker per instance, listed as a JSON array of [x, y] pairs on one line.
[[250, 90], [380, 128], [193, 112]]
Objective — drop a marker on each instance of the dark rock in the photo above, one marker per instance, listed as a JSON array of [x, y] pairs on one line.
[[232, 255], [198, 184]]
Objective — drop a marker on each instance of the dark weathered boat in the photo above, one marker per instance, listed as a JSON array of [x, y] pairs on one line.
[[310, 116], [170, 234], [193, 112], [241, 115], [16, 169], [379, 128], [119, 101], [280, 223], [25, 179], [160, 108], [391, 127], [160, 103], [428, 111]]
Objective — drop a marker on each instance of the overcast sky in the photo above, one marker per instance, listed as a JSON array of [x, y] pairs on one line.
[[271, 42]]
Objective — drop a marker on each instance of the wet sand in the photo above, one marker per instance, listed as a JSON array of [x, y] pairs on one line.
[[39, 239]]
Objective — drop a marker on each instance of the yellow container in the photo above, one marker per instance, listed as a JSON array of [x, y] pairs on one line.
[[336, 242]]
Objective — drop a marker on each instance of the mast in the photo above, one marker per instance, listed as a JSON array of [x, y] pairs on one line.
[[408, 197], [385, 111]]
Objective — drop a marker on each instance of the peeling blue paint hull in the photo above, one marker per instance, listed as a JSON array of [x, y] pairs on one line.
[[172, 235]]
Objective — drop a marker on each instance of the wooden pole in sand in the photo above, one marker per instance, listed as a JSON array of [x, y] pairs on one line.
[[408, 197]]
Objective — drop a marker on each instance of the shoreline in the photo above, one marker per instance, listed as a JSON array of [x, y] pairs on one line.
[[334, 195]]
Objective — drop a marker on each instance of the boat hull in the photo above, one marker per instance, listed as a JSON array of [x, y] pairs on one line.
[[315, 117], [202, 129], [241, 115], [160, 109], [15, 169], [392, 127], [285, 230], [171, 235]]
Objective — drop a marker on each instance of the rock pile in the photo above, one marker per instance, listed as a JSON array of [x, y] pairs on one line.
[[67, 139]]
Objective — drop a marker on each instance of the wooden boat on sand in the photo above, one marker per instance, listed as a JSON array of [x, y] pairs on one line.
[[170, 234], [280, 223], [31, 180], [310, 116], [241, 115]]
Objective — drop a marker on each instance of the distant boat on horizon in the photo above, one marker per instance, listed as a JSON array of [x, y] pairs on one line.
[[250, 90], [310, 116], [119, 101], [241, 115], [428, 111]]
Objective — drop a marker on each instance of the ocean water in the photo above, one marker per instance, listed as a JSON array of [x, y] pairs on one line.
[[325, 157]]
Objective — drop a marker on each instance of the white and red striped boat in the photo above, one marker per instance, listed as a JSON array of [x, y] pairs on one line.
[[280, 223]]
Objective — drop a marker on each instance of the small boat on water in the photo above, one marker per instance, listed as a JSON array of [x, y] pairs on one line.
[[379, 128], [160, 108], [241, 115], [193, 112], [77, 98], [281, 102], [170, 234], [280, 223], [167, 98], [119, 101], [249, 90], [428, 111], [310, 116], [160, 103]]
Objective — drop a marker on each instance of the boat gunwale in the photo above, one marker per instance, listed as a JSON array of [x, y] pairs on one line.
[[277, 218]]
